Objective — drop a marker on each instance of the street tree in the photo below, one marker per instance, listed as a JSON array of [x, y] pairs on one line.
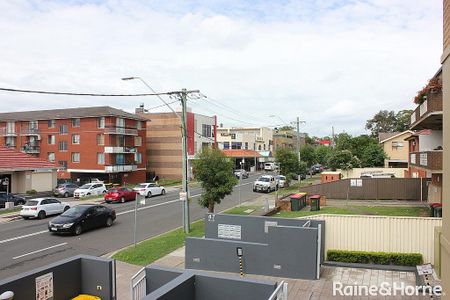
[[403, 120], [343, 159], [373, 156], [215, 172], [308, 155], [321, 154], [383, 121], [288, 160]]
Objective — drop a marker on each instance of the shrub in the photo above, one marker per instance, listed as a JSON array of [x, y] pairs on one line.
[[377, 258], [31, 192]]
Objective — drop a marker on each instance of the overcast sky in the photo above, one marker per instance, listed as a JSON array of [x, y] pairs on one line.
[[333, 63]]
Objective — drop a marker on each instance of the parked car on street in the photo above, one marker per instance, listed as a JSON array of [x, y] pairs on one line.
[[120, 194], [149, 189], [89, 189], [281, 180], [81, 218], [42, 207], [265, 183], [240, 172], [18, 200], [64, 189]]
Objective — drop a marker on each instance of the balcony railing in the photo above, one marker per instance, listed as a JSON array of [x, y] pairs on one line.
[[428, 115], [120, 168], [431, 160], [29, 131], [6, 132], [31, 149], [120, 149], [121, 130]]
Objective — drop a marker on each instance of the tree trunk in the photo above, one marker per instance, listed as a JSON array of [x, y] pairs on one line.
[[211, 207]]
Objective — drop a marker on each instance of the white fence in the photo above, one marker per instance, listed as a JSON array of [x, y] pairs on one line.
[[380, 233]]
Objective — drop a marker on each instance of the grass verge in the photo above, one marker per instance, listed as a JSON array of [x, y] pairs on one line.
[[241, 210], [153, 249], [7, 211]]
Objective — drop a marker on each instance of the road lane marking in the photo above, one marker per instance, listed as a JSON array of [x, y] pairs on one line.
[[40, 250], [22, 236]]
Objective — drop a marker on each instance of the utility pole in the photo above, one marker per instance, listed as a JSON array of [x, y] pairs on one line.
[[185, 187], [298, 149]]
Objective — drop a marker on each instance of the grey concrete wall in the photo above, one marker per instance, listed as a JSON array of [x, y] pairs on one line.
[[157, 276], [181, 287], [97, 273], [197, 285], [71, 277], [290, 252], [253, 228]]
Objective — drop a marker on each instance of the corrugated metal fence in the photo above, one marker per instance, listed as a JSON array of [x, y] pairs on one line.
[[380, 233], [372, 189]]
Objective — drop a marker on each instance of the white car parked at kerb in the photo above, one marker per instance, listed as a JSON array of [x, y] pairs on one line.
[[281, 179], [149, 189], [43, 207], [89, 189]]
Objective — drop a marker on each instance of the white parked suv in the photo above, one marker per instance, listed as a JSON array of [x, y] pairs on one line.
[[43, 207], [265, 183], [149, 189], [281, 180], [89, 189]]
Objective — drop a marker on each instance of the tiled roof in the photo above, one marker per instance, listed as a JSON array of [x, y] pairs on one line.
[[13, 160], [68, 113], [240, 153]]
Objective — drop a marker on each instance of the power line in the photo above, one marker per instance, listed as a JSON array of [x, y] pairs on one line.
[[81, 94]]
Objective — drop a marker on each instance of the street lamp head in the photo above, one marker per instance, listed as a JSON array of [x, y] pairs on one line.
[[129, 78]]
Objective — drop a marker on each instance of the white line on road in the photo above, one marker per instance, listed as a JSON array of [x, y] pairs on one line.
[[22, 236], [151, 206], [40, 250]]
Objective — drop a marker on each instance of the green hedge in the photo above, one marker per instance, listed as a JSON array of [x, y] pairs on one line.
[[377, 258]]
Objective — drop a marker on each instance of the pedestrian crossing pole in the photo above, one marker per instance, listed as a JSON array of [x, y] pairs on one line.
[[240, 253]]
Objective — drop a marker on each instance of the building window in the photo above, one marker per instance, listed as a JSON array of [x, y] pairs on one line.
[[264, 146], [233, 136], [120, 122], [10, 127], [138, 125], [254, 146], [138, 157], [259, 147], [75, 157], [10, 141], [51, 156], [226, 145], [396, 145], [137, 141], [33, 125], [120, 159], [101, 158], [76, 122], [206, 130], [62, 146], [236, 145], [75, 139], [101, 122], [51, 139], [100, 139], [63, 164], [51, 123], [246, 145], [63, 129]]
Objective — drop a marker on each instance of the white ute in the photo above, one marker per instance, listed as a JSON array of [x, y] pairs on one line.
[[265, 183]]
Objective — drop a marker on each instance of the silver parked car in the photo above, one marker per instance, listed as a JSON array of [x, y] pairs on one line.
[[64, 190]]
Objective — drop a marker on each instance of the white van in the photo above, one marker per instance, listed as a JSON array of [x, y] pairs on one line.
[[269, 166]]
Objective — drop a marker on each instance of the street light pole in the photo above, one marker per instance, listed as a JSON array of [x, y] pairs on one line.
[[298, 150], [184, 185]]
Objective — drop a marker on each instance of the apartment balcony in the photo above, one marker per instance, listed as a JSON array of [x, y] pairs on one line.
[[6, 132], [29, 131], [120, 168], [121, 131], [430, 160], [120, 149], [428, 115], [31, 149]]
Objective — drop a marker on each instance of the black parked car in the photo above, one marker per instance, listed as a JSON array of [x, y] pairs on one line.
[[81, 218], [11, 198]]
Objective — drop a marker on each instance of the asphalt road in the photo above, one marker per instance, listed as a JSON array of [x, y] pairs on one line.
[[27, 244]]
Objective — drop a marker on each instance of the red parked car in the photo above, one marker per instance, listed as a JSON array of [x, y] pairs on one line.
[[120, 194]]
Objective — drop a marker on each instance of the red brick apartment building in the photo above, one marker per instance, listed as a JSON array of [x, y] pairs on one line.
[[426, 144], [87, 142]]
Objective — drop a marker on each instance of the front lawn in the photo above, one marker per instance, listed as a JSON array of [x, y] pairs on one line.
[[242, 210], [153, 249], [7, 211]]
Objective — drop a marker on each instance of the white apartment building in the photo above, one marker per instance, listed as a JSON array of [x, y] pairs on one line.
[[248, 138]]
